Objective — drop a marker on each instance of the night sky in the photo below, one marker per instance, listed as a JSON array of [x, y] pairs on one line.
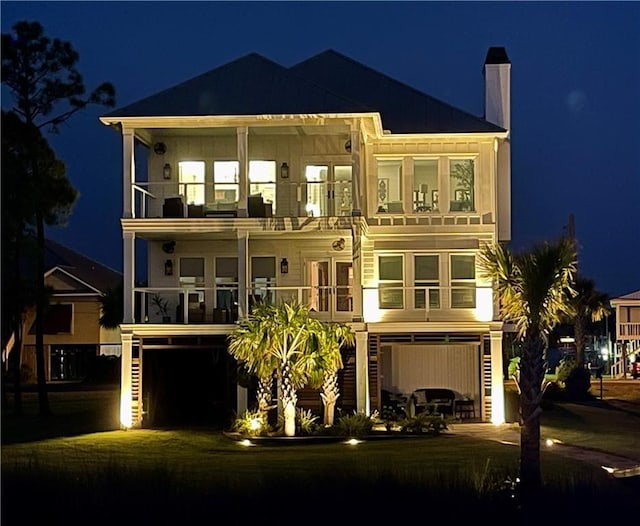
[[575, 95]]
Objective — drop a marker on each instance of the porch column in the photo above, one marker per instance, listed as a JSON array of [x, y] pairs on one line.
[[355, 173], [128, 173], [356, 243], [243, 160], [243, 311], [363, 402], [497, 380], [126, 400], [129, 253]]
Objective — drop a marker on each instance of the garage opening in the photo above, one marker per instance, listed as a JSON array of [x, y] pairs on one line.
[[188, 387]]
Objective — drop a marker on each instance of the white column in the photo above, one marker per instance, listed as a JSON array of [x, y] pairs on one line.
[[497, 380], [125, 381], [363, 402], [243, 160], [356, 234], [129, 255], [128, 173], [243, 273], [355, 173]]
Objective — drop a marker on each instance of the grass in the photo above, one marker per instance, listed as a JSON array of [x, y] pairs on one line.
[[144, 476]]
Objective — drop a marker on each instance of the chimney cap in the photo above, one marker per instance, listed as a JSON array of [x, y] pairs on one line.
[[497, 55]]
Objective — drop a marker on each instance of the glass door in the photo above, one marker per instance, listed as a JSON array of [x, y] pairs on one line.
[[330, 284], [328, 190]]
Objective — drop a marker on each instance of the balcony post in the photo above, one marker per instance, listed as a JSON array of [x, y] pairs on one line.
[[128, 172], [243, 177], [129, 254]]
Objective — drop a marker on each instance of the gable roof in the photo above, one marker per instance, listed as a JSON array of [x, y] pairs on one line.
[[325, 83], [82, 268], [404, 109], [250, 85]]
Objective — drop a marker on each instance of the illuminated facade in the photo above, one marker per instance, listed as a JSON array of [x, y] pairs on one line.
[[327, 182]]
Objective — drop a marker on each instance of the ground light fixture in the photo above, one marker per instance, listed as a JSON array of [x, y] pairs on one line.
[[353, 442]]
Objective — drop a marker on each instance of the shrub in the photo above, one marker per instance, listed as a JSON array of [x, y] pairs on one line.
[[564, 369], [514, 367], [424, 423], [251, 423], [577, 384], [357, 424]]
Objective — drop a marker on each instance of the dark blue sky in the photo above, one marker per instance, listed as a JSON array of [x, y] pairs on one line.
[[575, 96]]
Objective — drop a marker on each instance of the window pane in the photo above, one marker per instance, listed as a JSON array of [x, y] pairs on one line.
[[262, 181], [342, 190], [389, 188], [191, 267], [426, 268], [461, 185], [425, 185], [463, 267], [316, 177], [191, 179], [227, 268], [391, 296], [263, 267], [463, 297], [390, 268]]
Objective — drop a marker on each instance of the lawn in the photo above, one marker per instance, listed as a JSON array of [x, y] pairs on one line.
[[162, 476]]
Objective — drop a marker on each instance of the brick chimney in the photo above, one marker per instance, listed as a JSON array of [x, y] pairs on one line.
[[497, 80]]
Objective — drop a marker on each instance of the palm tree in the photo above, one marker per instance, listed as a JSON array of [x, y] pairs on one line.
[[112, 307], [277, 338], [329, 338], [534, 289], [589, 305], [249, 344]]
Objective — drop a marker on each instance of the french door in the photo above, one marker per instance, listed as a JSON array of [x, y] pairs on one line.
[[330, 282]]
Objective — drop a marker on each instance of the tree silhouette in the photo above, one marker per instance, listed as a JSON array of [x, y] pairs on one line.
[[47, 90]]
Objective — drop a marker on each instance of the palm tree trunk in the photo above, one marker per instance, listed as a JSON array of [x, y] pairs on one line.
[[329, 396], [265, 386], [531, 378], [579, 337], [289, 400]]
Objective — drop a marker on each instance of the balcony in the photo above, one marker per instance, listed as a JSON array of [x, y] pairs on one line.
[[628, 331], [219, 305]]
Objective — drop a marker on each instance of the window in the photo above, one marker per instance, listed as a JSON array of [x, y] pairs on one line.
[[262, 181], [191, 179], [316, 177], [225, 182], [463, 284], [426, 270], [226, 283], [390, 282], [57, 319], [389, 189], [461, 185], [71, 362], [425, 185], [328, 190], [263, 277]]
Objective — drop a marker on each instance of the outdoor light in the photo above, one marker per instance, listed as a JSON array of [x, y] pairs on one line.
[[604, 352], [168, 268], [353, 442], [284, 266], [284, 171], [166, 171]]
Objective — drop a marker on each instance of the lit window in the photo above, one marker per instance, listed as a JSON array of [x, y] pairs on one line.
[[191, 179], [461, 184], [389, 188], [425, 185], [225, 182], [427, 275], [262, 181], [463, 281], [390, 282]]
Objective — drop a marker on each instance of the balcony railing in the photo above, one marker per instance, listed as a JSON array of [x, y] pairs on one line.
[[628, 330], [281, 199], [219, 304]]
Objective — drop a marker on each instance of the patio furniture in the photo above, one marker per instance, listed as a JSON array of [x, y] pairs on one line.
[[440, 400]]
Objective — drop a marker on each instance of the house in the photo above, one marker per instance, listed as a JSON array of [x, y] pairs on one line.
[[328, 182], [73, 337], [627, 347]]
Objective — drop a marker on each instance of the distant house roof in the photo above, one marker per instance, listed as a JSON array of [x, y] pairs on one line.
[[325, 83], [89, 271], [627, 297]]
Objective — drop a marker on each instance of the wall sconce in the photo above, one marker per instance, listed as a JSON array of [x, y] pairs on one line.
[[284, 266], [284, 171], [168, 268], [166, 171]]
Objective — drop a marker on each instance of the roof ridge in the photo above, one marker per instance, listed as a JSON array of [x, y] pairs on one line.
[[396, 81]]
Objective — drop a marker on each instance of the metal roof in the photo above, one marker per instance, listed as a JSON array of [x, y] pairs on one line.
[[325, 83]]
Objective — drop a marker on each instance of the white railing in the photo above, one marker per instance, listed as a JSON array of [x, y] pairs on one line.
[[628, 331], [219, 304]]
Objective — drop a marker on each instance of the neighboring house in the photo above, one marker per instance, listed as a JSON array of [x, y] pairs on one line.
[[73, 336], [627, 349], [328, 182]]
